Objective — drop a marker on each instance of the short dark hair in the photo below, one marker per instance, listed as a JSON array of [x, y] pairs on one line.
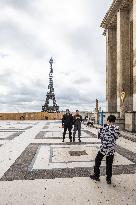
[[77, 110], [111, 118]]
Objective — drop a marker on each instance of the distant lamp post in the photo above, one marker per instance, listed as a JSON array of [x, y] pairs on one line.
[[97, 111], [101, 117]]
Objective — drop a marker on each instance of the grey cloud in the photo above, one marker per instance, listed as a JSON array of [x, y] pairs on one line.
[[80, 39], [72, 95], [18, 4], [24, 97], [84, 41], [27, 93], [3, 55], [5, 78], [22, 94], [20, 107], [22, 41], [82, 80]]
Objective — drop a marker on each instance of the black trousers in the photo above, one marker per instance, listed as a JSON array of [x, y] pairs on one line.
[[69, 128], [109, 162]]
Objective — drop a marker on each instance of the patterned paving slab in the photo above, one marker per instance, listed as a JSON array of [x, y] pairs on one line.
[[26, 166], [47, 157], [13, 129], [55, 134], [60, 157], [7, 129], [9, 135], [16, 125]]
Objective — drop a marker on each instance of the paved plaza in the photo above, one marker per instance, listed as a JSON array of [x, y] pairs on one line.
[[36, 168]]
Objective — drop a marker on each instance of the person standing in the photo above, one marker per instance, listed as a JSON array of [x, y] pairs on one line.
[[108, 135], [67, 122], [77, 119]]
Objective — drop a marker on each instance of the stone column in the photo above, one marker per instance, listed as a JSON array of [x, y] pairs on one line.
[[111, 70], [123, 61], [134, 55]]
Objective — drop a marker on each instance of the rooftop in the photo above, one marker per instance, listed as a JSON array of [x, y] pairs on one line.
[[110, 18]]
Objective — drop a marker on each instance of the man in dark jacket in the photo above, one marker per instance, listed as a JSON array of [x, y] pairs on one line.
[[67, 122], [77, 119]]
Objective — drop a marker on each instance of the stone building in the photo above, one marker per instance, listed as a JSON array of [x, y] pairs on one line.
[[119, 26]]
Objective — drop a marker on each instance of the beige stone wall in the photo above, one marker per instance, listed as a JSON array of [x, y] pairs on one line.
[[31, 116], [123, 59], [130, 121], [120, 54], [118, 63], [126, 59], [131, 13], [111, 70], [38, 115], [134, 55]]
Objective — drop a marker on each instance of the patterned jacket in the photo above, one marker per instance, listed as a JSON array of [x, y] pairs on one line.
[[108, 135]]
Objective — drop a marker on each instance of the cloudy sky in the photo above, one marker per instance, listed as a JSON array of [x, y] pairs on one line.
[[69, 31]]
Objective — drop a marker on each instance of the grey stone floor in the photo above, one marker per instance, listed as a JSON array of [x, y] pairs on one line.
[[37, 168]]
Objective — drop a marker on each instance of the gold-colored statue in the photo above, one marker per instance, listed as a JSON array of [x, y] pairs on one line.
[[122, 96], [123, 108]]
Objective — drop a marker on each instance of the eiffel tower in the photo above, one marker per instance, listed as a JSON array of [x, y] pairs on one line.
[[50, 94]]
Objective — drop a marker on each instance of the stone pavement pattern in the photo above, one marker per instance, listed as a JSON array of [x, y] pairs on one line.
[[37, 168]]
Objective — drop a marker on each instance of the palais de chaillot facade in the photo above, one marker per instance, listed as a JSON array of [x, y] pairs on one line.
[[119, 26]]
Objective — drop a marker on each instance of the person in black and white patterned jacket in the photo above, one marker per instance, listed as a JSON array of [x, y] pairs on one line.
[[108, 135]]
